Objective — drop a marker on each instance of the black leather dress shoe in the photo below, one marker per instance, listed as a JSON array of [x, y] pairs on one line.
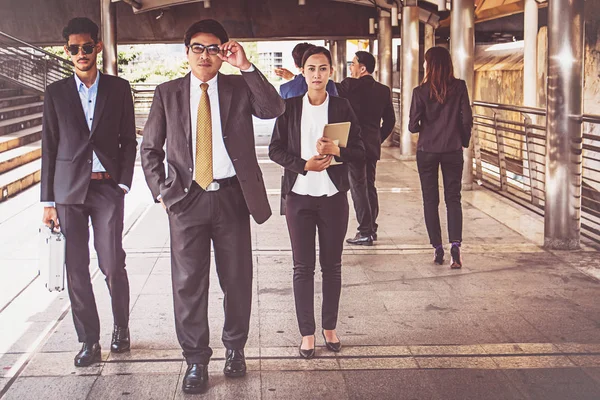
[[120, 340], [332, 346], [361, 240], [235, 363], [88, 355], [195, 379], [306, 354]]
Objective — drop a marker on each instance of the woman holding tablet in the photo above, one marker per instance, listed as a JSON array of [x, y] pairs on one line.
[[315, 193]]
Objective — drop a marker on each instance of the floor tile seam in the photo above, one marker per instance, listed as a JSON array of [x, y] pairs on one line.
[[339, 357], [137, 298]]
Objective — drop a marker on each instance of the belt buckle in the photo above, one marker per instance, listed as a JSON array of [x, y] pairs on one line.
[[213, 187]]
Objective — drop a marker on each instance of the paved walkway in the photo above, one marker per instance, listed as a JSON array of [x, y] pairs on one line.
[[517, 322]]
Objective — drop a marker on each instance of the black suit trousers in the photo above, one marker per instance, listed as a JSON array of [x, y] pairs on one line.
[[104, 204], [452, 167], [305, 215], [364, 194], [223, 218]]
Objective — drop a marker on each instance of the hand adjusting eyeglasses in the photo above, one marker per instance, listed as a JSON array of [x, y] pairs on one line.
[[86, 49], [212, 49]]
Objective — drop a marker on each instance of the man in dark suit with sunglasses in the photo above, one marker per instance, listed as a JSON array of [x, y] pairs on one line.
[[212, 186], [88, 154]]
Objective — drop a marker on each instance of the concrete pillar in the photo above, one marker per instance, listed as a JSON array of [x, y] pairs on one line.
[[530, 54], [410, 73], [384, 47], [108, 18], [339, 60], [372, 46], [462, 48], [564, 134], [429, 37]]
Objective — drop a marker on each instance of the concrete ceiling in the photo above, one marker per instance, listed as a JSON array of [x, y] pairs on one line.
[[244, 19]]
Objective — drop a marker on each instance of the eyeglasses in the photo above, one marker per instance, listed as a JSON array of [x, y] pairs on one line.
[[212, 49], [85, 49]]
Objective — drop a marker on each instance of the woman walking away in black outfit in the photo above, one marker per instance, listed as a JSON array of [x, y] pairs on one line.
[[316, 193], [441, 113]]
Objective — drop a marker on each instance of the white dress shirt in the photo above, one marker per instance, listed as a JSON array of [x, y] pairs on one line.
[[314, 119], [222, 165]]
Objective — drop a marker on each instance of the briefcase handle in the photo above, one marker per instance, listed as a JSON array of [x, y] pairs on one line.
[[52, 227]]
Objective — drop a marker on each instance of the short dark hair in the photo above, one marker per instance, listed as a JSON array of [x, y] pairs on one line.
[[206, 26], [366, 59], [316, 50], [299, 51], [80, 25]]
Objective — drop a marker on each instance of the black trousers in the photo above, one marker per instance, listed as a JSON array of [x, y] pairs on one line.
[[223, 218], [452, 167], [364, 195], [304, 215], [104, 204]]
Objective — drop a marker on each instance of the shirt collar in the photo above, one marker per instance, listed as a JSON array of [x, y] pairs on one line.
[[195, 82], [78, 82]]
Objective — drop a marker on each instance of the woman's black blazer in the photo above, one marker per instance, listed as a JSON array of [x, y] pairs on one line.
[[285, 143]]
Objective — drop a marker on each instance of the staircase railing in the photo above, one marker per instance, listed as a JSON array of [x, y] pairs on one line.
[[30, 66]]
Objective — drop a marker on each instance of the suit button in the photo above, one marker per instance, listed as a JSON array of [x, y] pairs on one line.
[[185, 190], [191, 170], [89, 161]]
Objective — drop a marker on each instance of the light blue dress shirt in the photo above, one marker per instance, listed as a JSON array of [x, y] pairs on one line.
[[88, 103]]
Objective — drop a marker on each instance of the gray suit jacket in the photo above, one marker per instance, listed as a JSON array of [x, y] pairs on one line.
[[169, 121], [67, 142]]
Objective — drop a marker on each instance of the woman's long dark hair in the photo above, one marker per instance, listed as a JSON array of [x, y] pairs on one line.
[[439, 73]]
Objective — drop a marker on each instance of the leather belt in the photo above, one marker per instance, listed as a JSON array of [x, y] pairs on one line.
[[222, 183], [100, 176]]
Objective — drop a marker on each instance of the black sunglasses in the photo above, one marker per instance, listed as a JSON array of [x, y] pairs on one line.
[[212, 49], [85, 49]]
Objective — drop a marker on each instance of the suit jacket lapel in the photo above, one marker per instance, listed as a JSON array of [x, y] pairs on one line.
[[101, 97], [72, 94], [225, 96], [183, 104]]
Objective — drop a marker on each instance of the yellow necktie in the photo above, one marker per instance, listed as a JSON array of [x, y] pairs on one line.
[[204, 156]]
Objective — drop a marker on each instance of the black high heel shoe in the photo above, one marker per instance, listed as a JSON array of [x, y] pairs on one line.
[[335, 347], [306, 354]]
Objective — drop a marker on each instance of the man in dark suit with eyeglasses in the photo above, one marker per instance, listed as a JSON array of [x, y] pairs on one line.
[[212, 186], [88, 155]]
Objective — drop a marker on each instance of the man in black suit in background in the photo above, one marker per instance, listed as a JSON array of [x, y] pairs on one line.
[[88, 155], [372, 103]]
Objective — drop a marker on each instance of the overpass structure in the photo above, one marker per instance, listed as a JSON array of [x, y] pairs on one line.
[[519, 321]]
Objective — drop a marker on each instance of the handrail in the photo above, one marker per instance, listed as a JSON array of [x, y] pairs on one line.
[[54, 56], [29, 66], [507, 107], [510, 158]]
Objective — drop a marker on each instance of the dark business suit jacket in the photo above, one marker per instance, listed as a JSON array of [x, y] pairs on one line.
[[285, 144], [372, 103], [442, 127], [169, 121], [67, 142]]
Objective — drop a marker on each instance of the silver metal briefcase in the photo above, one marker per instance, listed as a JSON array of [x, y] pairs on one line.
[[52, 258]]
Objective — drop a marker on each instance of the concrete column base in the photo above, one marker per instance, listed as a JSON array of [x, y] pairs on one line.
[[561, 244]]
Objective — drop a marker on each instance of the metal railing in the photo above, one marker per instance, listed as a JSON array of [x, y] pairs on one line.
[[143, 93], [510, 158], [30, 66]]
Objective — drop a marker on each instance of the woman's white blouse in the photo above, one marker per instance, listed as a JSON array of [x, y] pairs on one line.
[[314, 119]]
